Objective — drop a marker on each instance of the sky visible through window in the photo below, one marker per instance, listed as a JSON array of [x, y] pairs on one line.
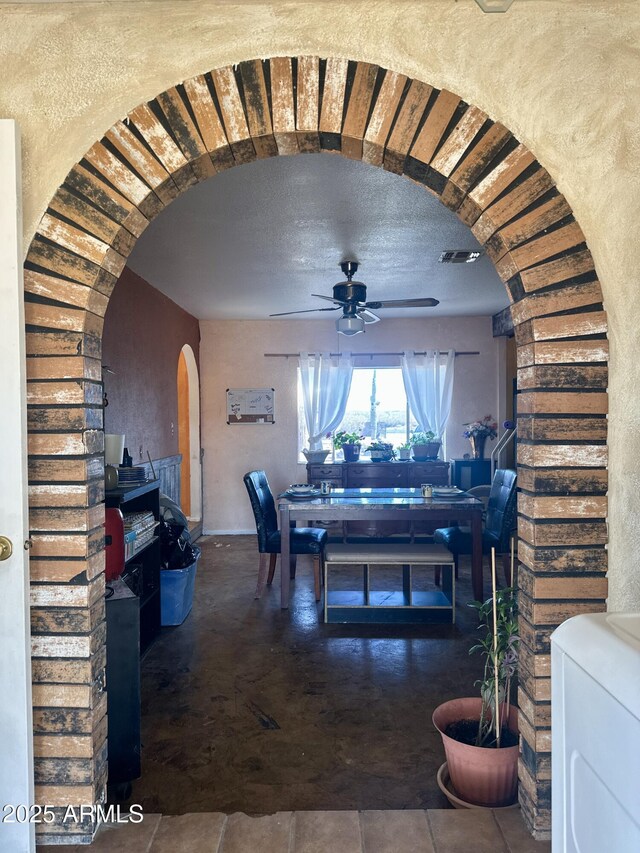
[[390, 420]]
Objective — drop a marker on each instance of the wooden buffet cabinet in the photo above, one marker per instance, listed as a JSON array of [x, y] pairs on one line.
[[370, 475], [364, 475]]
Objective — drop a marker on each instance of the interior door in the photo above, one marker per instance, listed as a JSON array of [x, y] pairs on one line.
[[16, 744]]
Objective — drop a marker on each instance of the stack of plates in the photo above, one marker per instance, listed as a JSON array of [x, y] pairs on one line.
[[302, 490], [447, 492], [131, 476]]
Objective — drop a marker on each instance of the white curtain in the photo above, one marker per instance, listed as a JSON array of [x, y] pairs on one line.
[[326, 383], [428, 382]]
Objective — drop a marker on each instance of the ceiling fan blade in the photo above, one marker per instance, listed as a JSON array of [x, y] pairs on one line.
[[426, 302], [368, 316], [330, 299], [305, 311]]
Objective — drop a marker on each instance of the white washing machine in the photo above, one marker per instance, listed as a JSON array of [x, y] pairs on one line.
[[595, 719]]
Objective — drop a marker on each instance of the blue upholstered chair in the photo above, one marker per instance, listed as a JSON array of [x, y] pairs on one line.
[[499, 524], [304, 540]]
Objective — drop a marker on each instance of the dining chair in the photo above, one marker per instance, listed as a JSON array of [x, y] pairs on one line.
[[483, 494], [304, 540], [498, 525]]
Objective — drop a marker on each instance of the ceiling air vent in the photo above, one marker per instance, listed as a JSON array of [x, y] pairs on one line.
[[453, 256]]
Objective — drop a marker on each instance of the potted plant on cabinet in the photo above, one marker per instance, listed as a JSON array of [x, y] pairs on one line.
[[381, 451], [404, 451], [315, 457], [425, 446], [349, 443], [480, 734]]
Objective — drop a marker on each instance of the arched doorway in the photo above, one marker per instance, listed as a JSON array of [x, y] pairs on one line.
[[189, 434], [294, 105]]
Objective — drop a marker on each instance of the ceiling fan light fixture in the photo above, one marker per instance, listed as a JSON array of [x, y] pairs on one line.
[[350, 325]]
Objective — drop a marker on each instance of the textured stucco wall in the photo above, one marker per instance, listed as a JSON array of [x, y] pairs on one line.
[[232, 356], [144, 333], [561, 74]]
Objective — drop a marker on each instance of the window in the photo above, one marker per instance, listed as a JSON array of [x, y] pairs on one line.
[[377, 408]]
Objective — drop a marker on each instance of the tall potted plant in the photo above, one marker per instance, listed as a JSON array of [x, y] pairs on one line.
[[480, 734], [349, 443]]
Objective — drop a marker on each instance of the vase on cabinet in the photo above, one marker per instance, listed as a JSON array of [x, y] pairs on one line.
[[477, 446]]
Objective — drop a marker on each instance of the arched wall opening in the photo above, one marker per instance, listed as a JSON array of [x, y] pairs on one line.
[[189, 434], [290, 105], [184, 435]]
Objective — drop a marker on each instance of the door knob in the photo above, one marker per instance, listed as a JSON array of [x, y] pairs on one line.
[[6, 548]]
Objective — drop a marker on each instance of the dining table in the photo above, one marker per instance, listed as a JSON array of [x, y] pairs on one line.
[[380, 504]]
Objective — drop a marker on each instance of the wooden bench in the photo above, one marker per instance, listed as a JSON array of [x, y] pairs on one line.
[[401, 605]]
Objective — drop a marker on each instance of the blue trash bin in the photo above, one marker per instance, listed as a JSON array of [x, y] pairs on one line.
[[176, 592]]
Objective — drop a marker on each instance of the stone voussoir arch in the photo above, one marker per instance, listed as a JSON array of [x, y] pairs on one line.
[[263, 108]]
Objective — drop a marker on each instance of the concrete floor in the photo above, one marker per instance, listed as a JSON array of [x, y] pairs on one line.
[[248, 708], [320, 734]]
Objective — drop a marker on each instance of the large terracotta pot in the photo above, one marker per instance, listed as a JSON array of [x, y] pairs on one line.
[[480, 775]]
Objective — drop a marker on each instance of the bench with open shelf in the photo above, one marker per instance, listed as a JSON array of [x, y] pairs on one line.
[[397, 605]]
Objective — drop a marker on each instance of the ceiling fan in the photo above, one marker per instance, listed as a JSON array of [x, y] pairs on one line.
[[350, 296]]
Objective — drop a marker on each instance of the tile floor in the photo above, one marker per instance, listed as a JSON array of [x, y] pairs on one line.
[[412, 831]]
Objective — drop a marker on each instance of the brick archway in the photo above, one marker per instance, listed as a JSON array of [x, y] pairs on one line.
[[286, 106]]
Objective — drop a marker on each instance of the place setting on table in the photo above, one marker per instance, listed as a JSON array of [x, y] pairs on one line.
[[449, 492], [307, 491], [301, 491]]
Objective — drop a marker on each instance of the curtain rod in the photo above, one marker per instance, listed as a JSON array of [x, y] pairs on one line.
[[360, 354]]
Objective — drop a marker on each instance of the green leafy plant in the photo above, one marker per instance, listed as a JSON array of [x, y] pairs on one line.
[[498, 622], [382, 447], [341, 438], [406, 446], [422, 438]]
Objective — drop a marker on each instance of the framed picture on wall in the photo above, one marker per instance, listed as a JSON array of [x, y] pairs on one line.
[[250, 406]]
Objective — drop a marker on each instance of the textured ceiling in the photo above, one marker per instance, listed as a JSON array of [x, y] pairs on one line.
[[261, 238]]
